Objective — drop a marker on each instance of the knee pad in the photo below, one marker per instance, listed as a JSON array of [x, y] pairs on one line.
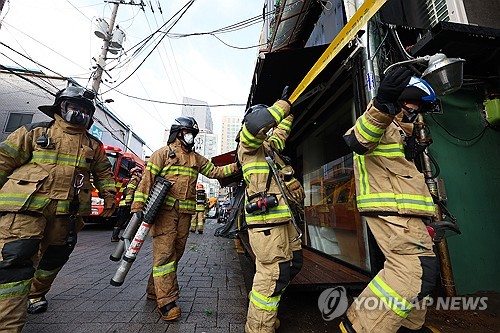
[[297, 262], [17, 264], [54, 257], [430, 271], [283, 278]]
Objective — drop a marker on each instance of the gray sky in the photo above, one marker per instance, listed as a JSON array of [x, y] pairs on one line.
[[59, 34]]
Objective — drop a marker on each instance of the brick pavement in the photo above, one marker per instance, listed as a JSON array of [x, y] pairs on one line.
[[213, 295]]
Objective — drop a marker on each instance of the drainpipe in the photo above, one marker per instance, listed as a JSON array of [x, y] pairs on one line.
[[447, 279]]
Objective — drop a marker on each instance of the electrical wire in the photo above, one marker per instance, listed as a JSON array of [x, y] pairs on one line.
[[174, 103], [145, 58], [479, 135]]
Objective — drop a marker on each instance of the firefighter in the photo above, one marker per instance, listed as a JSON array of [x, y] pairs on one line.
[[201, 206], [45, 189], [393, 196], [178, 163], [277, 258], [124, 206]]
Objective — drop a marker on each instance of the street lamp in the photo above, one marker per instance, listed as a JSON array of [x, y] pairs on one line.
[[445, 75]]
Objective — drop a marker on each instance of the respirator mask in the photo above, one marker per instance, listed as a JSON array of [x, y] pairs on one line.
[[76, 114]]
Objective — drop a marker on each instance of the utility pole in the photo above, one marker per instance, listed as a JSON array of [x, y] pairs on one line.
[[2, 2], [101, 62]]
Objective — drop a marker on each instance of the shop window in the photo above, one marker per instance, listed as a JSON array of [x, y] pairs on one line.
[[332, 222], [17, 120]]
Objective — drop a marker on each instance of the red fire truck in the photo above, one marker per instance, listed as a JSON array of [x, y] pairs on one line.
[[121, 163]]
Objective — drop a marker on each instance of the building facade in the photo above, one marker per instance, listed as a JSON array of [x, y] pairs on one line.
[[463, 144], [230, 128], [24, 90]]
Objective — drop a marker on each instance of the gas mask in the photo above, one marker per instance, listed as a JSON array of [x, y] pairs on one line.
[[76, 114], [187, 140]]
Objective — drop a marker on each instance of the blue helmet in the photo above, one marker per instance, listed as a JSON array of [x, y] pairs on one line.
[[418, 90]]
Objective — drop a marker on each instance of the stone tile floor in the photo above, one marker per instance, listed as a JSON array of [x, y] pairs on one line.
[[213, 295]]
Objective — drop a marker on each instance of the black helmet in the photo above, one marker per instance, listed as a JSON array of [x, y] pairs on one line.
[[76, 94], [255, 108], [180, 124]]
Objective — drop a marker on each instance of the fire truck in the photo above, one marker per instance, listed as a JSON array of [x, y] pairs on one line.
[[121, 164]]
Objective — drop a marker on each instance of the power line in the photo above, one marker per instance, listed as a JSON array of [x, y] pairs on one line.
[[174, 103]]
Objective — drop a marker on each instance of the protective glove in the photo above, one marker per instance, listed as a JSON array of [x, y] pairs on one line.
[[296, 190], [284, 96], [109, 207], [390, 89]]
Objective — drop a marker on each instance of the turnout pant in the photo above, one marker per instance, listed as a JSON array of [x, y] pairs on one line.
[[198, 220], [169, 233], [32, 251], [277, 261], [394, 297]]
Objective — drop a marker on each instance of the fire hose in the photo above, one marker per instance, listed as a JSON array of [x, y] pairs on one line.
[[140, 224]]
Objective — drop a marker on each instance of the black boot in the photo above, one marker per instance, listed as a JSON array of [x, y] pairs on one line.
[[423, 329], [37, 305], [170, 311], [114, 236], [346, 326]]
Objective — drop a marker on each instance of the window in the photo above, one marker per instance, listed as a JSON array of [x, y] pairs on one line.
[[125, 166], [17, 120]]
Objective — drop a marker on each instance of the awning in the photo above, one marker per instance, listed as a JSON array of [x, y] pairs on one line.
[[288, 67], [479, 46]]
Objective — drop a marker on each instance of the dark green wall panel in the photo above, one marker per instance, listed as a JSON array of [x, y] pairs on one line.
[[471, 170]]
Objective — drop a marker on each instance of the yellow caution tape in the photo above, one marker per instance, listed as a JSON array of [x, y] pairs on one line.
[[358, 20]]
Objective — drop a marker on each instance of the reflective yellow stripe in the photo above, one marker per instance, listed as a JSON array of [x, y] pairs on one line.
[[187, 204], [277, 112], [227, 170], [102, 184], [273, 213], [369, 131], [153, 168], [13, 289], [179, 170], [388, 150], [279, 143], [50, 157], [43, 274], [363, 174], [140, 197], [13, 151], [183, 204], [207, 168], [254, 168], [63, 206], [401, 201], [164, 269], [286, 125], [16, 199], [263, 302], [390, 297], [169, 201], [249, 139]]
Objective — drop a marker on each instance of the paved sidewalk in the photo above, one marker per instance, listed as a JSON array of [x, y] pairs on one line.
[[213, 295]]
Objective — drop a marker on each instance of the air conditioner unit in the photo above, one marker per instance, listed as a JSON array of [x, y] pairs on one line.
[[425, 14]]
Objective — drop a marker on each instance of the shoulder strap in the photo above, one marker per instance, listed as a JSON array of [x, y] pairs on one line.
[[45, 124]]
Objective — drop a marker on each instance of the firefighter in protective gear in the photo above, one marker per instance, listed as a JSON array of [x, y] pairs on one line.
[[179, 164], [127, 198], [277, 258], [45, 188], [201, 206], [393, 196]]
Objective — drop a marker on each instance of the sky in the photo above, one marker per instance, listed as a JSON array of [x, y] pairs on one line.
[[59, 34]]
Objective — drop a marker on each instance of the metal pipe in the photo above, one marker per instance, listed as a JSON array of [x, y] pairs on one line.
[[447, 279]]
